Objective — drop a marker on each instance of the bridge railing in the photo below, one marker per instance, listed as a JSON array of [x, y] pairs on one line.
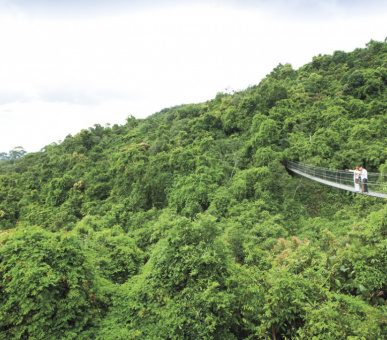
[[376, 181]]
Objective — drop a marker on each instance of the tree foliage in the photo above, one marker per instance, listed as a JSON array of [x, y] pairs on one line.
[[187, 225]]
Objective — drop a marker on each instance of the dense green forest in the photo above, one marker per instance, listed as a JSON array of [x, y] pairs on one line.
[[187, 225]]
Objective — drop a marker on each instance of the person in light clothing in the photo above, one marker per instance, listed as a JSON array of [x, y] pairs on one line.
[[356, 178], [364, 179]]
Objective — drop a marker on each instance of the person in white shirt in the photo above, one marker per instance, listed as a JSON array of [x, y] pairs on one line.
[[356, 178], [364, 179]]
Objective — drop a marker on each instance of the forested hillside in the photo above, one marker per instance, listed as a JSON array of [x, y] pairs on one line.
[[187, 225]]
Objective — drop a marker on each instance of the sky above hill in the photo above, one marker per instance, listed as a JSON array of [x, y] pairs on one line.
[[66, 65]]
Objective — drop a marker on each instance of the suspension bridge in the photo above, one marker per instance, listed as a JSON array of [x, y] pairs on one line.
[[377, 182]]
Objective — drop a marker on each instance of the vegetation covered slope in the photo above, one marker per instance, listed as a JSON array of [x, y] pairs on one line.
[[186, 225]]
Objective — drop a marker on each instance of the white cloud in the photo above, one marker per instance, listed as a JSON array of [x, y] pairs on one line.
[[62, 74]]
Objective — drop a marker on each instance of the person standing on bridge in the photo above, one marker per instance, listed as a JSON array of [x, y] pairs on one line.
[[364, 179], [356, 178]]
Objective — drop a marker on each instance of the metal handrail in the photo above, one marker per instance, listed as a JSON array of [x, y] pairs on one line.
[[376, 181]]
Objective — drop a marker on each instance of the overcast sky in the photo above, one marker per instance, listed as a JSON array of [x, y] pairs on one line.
[[66, 65]]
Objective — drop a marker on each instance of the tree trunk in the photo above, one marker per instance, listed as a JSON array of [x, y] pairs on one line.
[[273, 332]]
